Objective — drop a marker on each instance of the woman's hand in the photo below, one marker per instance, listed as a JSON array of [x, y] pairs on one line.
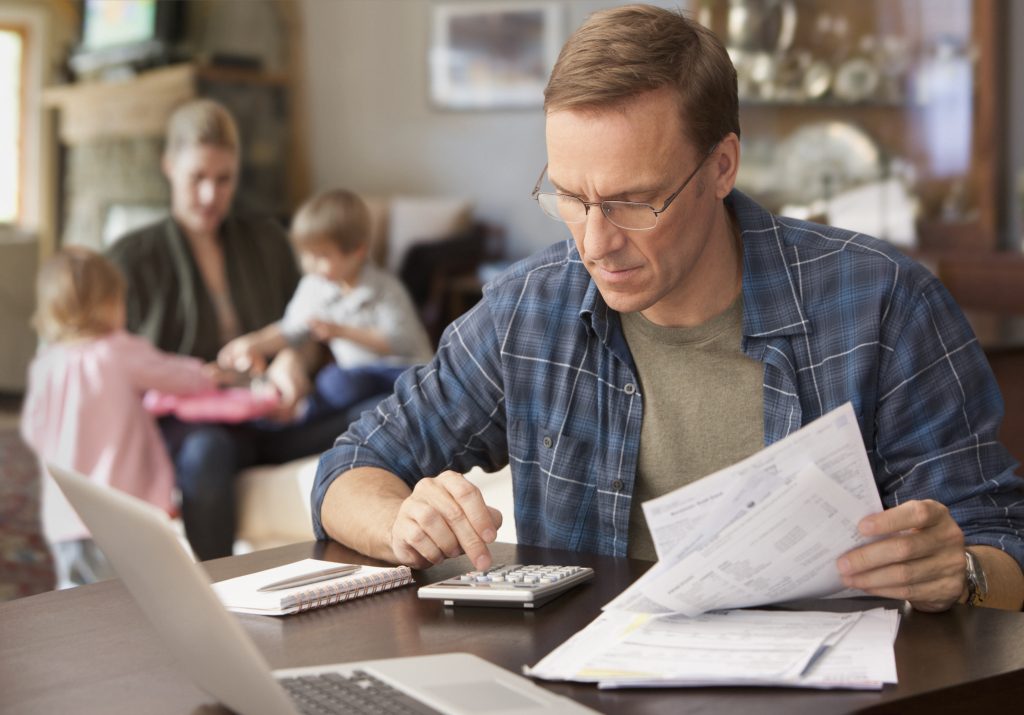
[[224, 377], [242, 354]]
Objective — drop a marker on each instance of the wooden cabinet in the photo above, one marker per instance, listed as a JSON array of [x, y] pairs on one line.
[[869, 94], [840, 95]]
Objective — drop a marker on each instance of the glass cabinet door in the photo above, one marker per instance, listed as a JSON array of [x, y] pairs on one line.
[[875, 115]]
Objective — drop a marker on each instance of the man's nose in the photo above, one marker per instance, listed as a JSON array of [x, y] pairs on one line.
[[600, 236]]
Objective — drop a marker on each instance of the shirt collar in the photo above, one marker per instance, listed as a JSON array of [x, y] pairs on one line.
[[771, 302]]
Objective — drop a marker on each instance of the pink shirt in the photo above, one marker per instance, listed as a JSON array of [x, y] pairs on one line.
[[83, 411]]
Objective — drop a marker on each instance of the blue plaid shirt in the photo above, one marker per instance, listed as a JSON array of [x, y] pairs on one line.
[[538, 375]]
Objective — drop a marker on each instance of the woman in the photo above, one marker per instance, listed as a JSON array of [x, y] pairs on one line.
[[198, 279]]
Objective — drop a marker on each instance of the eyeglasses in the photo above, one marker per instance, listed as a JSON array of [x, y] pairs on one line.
[[627, 215]]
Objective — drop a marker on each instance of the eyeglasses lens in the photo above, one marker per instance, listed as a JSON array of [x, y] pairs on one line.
[[624, 214]]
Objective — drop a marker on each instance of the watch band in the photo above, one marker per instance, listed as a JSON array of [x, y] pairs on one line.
[[977, 584]]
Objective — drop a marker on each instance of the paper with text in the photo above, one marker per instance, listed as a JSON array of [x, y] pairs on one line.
[[863, 659], [621, 649], [767, 529]]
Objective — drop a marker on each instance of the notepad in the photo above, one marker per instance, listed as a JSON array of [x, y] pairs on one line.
[[241, 594]]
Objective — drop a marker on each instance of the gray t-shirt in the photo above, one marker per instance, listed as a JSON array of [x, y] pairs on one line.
[[377, 301], [703, 407]]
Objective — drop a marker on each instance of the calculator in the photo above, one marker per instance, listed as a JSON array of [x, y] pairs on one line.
[[515, 585]]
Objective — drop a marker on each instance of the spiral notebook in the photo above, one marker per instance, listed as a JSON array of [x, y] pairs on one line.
[[242, 594]]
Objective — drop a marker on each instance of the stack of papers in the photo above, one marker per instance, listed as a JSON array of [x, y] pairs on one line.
[[766, 530], [807, 649]]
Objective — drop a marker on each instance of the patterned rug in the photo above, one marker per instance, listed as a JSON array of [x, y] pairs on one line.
[[25, 565]]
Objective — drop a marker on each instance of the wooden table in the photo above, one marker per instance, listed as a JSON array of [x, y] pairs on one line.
[[89, 650]]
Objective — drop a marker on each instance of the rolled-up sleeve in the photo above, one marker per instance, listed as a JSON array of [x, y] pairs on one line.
[[446, 414]]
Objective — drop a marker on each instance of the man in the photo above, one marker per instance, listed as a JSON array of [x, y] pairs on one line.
[[682, 328]]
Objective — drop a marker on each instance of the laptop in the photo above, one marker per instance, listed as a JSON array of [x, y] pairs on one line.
[[216, 653]]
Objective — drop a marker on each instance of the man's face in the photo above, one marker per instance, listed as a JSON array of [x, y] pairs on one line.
[[203, 180], [639, 152]]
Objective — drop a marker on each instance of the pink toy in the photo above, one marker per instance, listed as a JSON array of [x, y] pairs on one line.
[[233, 404]]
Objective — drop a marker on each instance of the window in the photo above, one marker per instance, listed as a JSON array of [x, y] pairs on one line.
[[12, 112]]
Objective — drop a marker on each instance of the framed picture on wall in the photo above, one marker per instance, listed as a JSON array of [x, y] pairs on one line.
[[493, 55]]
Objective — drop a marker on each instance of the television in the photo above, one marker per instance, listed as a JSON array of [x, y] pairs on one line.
[[119, 35]]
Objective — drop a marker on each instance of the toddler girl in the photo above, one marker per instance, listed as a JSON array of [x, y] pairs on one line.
[[83, 408]]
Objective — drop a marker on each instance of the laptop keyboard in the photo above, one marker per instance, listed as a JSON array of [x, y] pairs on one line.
[[358, 693]]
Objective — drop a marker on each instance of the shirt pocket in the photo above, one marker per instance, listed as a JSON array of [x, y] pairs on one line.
[[555, 483]]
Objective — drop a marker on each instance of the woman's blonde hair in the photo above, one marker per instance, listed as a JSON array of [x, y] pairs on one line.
[[77, 293], [338, 217], [202, 121], [622, 52]]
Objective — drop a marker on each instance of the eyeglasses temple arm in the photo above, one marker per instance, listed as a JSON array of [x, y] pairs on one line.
[[536, 187]]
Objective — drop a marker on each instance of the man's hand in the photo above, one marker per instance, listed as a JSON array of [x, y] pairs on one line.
[[444, 517], [920, 557]]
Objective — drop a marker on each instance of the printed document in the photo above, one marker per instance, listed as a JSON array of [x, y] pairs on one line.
[[764, 530], [807, 649]]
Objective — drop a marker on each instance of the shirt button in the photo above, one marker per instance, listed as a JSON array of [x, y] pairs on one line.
[[629, 389], [617, 485], [548, 442]]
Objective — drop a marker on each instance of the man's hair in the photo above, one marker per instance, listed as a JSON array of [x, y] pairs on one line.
[[338, 217], [622, 52], [202, 122], [76, 292]]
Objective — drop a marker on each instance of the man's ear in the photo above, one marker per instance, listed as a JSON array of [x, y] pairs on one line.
[[726, 161], [165, 165]]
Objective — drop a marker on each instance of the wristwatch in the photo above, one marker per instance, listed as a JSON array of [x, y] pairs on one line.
[[977, 584]]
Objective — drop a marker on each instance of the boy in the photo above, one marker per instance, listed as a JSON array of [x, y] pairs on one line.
[[363, 314]]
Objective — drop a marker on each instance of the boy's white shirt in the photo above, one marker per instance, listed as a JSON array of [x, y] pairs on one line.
[[377, 301]]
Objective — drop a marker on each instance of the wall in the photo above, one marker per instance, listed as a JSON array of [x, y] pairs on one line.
[[373, 129], [50, 24], [18, 263]]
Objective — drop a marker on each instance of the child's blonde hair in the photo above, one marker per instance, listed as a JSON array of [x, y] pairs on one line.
[[338, 217], [77, 292]]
